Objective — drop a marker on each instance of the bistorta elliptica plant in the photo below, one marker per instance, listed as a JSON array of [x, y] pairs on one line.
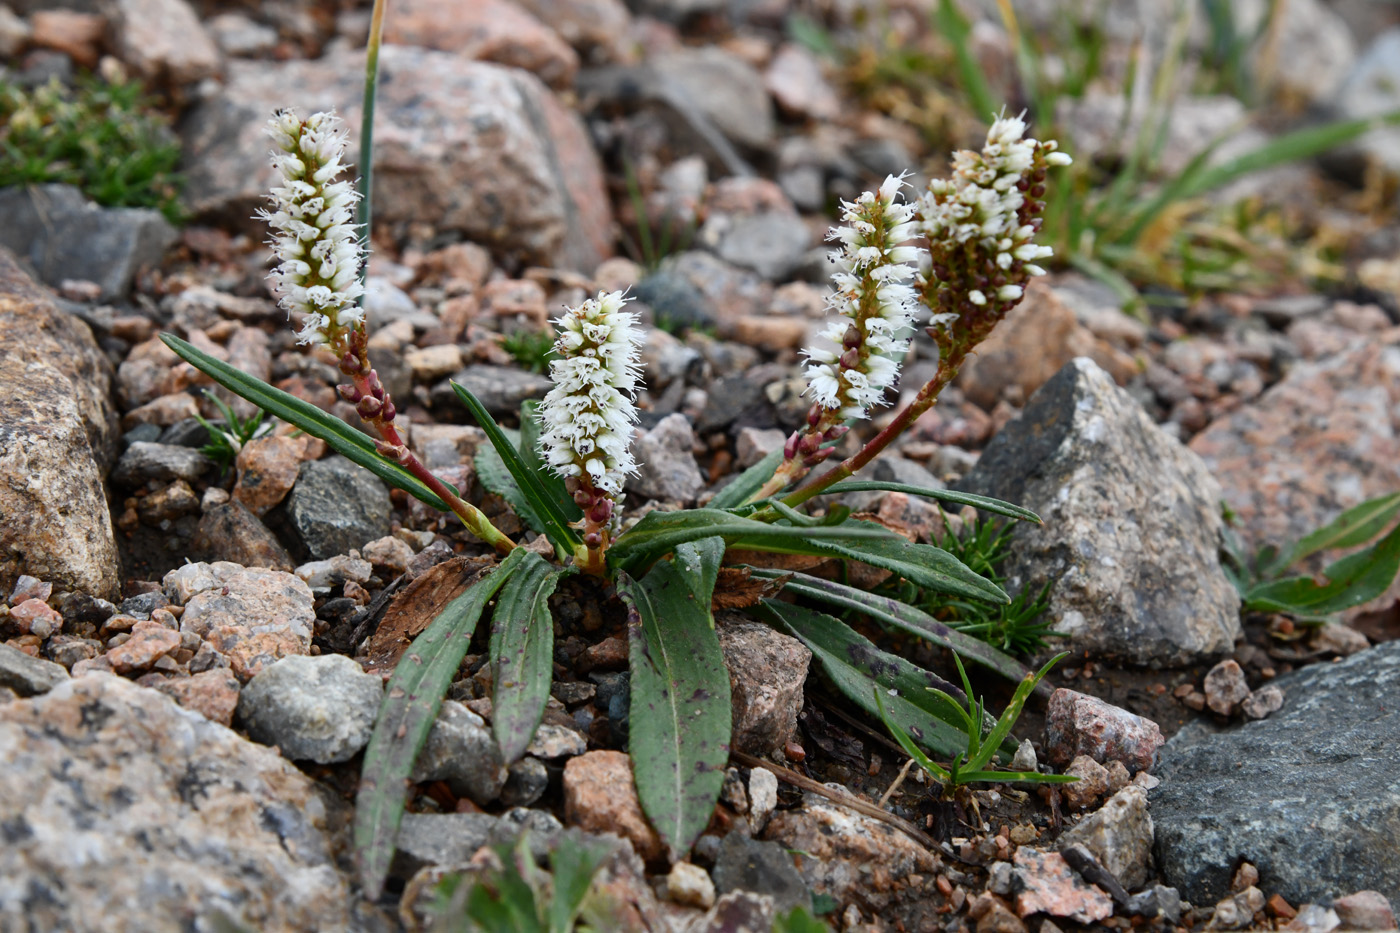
[[568, 484]]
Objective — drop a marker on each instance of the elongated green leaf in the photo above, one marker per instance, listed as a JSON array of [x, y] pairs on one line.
[[1352, 528], [1352, 581], [680, 715], [531, 486], [492, 472], [747, 483], [661, 532], [939, 773], [902, 616], [956, 29], [522, 654], [1002, 730], [930, 567], [534, 462], [353, 445], [985, 503], [412, 699], [855, 665]]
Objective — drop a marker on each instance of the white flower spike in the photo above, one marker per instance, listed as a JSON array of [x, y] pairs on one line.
[[588, 417], [875, 300], [315, 240]]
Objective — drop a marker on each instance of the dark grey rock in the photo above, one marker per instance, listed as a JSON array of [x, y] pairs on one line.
[[745, 864], [28, 676], [1308, 796], [186, 432], [500, 389], [161, 463], [461, 751], [318, 709], [453, 838], [666, 467], [772, 243], [1131, 529], [729, 397], [335, 506], [526, 783], [676, 303], [66, 236], [147, 433]]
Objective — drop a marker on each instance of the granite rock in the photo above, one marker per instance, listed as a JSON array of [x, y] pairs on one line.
[[336, 506], [28, 676], [497, 31], [666, 467], [1307, 795], [126, 813], [1131, 531], [1119, 835], [319, 709], [161, 40], [599, 796], [766, 672]]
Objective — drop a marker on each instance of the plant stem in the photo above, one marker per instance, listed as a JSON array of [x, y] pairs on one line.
[[365, 212], [947, 371]]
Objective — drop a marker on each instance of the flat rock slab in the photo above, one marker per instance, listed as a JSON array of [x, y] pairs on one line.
[[1309, 795], [123, 812], [1132, 526]]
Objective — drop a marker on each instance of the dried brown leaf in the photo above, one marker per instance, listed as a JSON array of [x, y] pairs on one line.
[[418, 604]]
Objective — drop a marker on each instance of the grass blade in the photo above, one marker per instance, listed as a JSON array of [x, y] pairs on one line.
[[353, 445], [956, 29], [1002, 730], [902, 616], [680, 715], [556, 522], [984, 503], [412, 699], [522, 654]]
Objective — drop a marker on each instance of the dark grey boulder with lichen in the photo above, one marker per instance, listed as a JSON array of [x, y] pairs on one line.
[[1132, 525], [1309, 796]]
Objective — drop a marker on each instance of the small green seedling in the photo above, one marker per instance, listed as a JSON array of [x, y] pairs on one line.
[[973, 765], [1350, 581], [225, 443]]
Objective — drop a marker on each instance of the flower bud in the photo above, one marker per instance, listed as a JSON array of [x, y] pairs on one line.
[[349, 393], [368, 407]]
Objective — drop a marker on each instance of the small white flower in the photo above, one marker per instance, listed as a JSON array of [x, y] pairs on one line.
[[588, 417], [315, 239], [875, 299]]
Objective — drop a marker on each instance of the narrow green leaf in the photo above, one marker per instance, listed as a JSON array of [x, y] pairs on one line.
[[900, 615], [659, 533], [1352, 528], [555, 521], [855, 665], [956, 29], [1002, 730], [1352, 581], [522, 654], [939, 773], [747, 483], [985, 503], [1033, 777], [534, 462], [353, 445], [680, 715], [928, 566], [412, 699]]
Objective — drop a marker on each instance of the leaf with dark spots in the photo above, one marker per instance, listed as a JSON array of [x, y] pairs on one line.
[[679, 746], [522, 654]]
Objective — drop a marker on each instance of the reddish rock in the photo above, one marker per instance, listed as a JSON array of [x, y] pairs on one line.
[[35, 617], [1092, 784], [213, 694], [1365, 910], [773, 334], [1225, 687], [795, 80], [598, 26], [77, 35], [994, 916], [162, 411], [248, 653], [487, 30], [168, 503], [267, 470], [599, 797], [229, 531], [766, 672], [1079, 724], [162, 40], [149, 642], [1051, 887]]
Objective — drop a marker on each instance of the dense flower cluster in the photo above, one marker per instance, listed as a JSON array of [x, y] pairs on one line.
[[874, 299], [315, 241], [981, 224], [588, 417]]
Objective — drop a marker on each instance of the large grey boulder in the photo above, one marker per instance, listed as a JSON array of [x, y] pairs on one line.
[[1131, 529], [461, 145], [1309, 796], [123, 812]]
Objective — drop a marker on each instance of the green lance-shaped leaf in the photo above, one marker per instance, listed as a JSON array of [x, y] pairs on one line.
[[534, 462], [522, 654], [412, 699], [659, 533], [903, 616], [680, 714], [531, 485], [1001, 732], [1351, 581], [1352, 528], [747, 483], [923, 564], [984, 503], [354, 445], [855, 665]]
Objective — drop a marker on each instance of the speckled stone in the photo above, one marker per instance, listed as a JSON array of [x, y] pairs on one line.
[[1079, 724], [319, 709], [125, 813], [1308, 795], [1132, 525], [766, 672]]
